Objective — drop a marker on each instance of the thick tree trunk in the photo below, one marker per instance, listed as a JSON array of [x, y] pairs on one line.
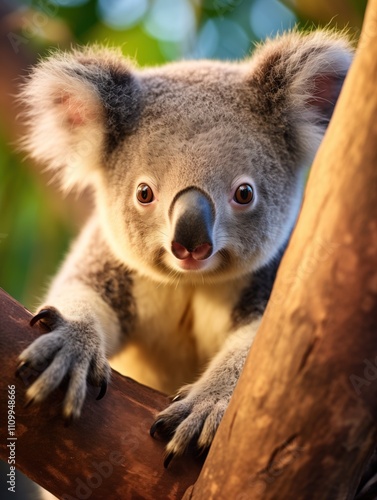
[[302, 422]]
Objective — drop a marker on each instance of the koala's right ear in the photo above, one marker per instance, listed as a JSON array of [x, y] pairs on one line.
[[297, 78], [78, 106]]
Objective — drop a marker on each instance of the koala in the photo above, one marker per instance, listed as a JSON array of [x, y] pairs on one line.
[[197, 170]]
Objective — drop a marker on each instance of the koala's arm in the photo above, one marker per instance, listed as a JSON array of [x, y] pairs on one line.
[[197, 410], [89, 310]]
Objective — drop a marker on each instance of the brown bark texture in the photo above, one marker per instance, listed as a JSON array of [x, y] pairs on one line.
[[302, 421], [107, 453]]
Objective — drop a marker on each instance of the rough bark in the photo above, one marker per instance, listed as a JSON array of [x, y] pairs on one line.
[[108, 453], [302, 421]]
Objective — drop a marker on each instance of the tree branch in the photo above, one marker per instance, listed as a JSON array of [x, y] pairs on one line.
[[107, 453]]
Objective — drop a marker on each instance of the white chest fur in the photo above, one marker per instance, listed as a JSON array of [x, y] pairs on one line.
[[179, 329]]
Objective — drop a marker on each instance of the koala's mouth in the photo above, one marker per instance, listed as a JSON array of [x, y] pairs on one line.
[[191, 264], [191, 260], [218, 265], [166, 262]]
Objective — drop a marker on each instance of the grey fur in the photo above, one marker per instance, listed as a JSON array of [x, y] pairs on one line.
[[108, 277], [254, 297], [208, 125]]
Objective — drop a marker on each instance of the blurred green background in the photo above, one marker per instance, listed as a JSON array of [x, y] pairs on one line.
[[36, 223]]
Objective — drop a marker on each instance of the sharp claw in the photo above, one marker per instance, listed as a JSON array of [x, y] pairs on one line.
[[29, 402], [42, 314], [177, 397], [202, 450], [23, 365], [102, 391], [155, 426], [168, 459]]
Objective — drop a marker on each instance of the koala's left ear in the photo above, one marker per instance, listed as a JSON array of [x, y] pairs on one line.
[[296, 79], [78, 106]]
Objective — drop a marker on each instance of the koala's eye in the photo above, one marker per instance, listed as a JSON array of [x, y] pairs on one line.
[[144, 193], [244, 194]]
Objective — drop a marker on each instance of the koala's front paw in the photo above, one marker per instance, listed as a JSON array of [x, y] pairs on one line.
[[72, 348], [193, 417]]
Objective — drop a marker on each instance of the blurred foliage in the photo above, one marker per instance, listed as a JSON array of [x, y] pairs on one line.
[[35, 226], [33, 236]]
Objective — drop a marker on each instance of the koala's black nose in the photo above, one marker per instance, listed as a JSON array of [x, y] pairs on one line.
[[194, 214]]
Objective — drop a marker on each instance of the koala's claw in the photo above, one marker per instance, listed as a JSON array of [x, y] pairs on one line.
[[48, 317], [155, 426], [23, 365], [102, 390], [42, 314], [73, 349], [164, 427], [29, 402], [169, 457], [193, 420], [177, 397]]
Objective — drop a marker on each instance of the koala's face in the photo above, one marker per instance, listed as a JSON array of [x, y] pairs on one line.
[[199, 190], [197, 166]]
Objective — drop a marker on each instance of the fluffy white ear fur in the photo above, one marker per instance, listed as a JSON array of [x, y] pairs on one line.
[[66, 121], [301, 75], [78, 105]]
